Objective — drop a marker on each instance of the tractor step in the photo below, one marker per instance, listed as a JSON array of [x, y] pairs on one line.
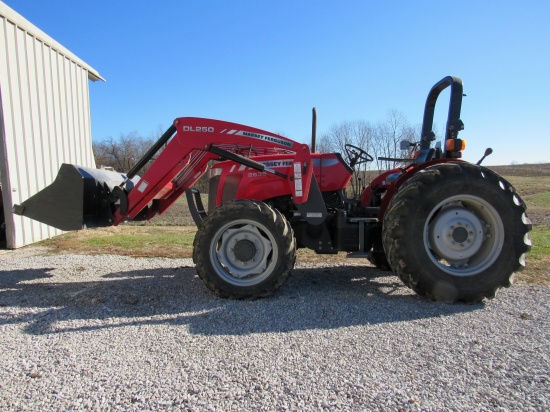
[[196, 208], [359, 255]]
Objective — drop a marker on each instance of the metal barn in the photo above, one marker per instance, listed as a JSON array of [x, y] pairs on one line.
[[44, 120]]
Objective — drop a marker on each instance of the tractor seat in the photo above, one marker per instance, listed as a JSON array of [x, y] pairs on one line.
[[425, 155]]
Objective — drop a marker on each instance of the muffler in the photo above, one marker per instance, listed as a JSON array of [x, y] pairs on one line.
[[79, 198]]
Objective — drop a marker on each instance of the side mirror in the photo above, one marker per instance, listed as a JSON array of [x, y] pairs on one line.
[[404, 145]]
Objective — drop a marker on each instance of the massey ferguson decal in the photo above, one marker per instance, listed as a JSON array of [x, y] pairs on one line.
[[271, 164], [270, 139], [277, 163], [264, 137]]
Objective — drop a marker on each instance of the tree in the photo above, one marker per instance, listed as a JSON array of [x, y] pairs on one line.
[[358, 133], [388, 137], [122, 154], [382, 140]]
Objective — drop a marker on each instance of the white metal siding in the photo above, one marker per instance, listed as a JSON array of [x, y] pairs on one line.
[[46, 122]]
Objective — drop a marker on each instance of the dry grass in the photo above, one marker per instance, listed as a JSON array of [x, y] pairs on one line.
[[137, 241]]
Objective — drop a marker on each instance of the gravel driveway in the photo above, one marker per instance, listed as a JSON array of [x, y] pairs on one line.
[[116, 333]]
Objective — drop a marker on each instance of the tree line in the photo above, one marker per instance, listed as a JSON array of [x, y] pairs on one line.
[[381, 140], [122, 154]]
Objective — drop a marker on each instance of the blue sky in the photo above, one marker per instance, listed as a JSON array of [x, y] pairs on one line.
[[267, 63]]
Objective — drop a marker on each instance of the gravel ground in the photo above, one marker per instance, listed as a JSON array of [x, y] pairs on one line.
[[114, 333]]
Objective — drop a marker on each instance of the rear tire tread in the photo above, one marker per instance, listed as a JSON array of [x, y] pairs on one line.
[[397, 237]]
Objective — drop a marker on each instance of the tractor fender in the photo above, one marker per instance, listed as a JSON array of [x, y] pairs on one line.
[[406, 174]]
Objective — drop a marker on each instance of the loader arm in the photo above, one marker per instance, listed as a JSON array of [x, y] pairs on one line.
[[83, 197], [194, 143]]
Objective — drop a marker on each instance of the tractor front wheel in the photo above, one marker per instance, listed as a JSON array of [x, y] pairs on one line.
[[456, 232], [244, 250]]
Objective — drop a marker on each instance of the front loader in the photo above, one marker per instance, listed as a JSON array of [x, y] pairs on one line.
[[451, 230]]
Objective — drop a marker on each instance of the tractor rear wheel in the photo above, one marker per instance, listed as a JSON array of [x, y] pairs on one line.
[[377, 254], [456, 232], [379, 260], [244, 250]]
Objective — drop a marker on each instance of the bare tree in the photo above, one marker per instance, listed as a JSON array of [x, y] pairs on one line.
[[380, 141], [122, 154], [387, 139], [358, 133]]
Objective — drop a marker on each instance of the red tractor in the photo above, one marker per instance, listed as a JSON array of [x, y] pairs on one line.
[[451, 230]]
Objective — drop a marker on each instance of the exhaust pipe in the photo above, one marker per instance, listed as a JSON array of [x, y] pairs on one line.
[[79, 198]]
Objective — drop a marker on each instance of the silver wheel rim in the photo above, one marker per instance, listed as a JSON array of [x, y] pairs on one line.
[[243, 252], [463, 235]]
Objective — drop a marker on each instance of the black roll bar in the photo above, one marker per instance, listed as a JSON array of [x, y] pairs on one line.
[[454, 124]]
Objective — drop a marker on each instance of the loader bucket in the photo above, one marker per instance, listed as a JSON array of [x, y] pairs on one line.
[[79, 198]]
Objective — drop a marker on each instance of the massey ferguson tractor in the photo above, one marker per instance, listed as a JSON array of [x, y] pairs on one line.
[[451, 230]]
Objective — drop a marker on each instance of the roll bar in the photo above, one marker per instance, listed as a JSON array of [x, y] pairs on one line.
[[454, 124]]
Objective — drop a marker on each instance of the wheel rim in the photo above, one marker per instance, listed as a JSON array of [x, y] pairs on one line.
[[243, 252], [463, 235]]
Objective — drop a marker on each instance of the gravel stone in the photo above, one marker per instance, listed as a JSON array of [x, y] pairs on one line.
[[116, 333]]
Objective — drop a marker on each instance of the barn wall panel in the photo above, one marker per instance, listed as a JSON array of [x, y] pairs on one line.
[[46, 120]]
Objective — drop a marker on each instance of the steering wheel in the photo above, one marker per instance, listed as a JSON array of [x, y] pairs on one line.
[[356, 155]]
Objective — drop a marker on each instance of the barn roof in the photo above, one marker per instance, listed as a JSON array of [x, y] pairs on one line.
[[30, 28]]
